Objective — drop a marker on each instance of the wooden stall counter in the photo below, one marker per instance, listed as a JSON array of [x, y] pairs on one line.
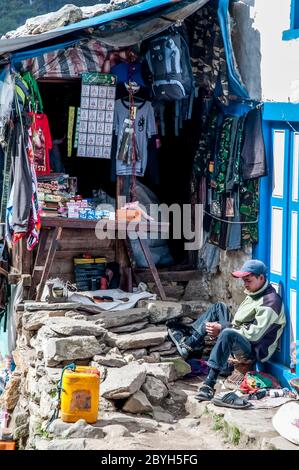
[[54, 228]]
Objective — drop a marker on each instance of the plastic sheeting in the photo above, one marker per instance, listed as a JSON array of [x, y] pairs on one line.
[[236, 86], [144, 27]]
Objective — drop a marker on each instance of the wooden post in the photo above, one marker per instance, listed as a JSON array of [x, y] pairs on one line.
[[38, 260], [56, 235], [121, 254], [152, 267]]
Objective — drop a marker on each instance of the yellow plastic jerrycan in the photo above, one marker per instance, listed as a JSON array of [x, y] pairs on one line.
[[80, 394]]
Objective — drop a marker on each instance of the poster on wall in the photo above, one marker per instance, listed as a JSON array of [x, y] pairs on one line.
[[98, 93]]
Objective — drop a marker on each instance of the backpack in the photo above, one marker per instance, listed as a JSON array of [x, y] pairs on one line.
[[169, 64]]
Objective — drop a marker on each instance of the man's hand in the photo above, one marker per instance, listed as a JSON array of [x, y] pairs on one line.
[[213, 329]]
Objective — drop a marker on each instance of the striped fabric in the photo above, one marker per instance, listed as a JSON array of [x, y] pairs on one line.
[[72, 62]]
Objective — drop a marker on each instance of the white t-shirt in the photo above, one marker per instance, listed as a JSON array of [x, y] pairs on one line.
[[145, 128]]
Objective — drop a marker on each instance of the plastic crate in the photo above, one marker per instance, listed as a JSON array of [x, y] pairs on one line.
[[87, 271]]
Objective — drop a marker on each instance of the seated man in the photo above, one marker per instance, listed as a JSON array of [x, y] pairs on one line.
[[253, 332]]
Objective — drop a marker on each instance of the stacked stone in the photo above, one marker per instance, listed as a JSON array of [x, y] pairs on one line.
[[68, 14], [137, 362]]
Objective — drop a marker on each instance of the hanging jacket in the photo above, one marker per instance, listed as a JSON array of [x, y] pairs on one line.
[[261, 319], [22, 186], [34, 97], [254, 163], [208, 53]]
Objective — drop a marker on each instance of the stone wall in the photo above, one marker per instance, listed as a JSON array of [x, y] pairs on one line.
[[137, 362], [220, 286]]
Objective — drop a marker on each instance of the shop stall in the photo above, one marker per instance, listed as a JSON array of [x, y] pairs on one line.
[[108, 116]]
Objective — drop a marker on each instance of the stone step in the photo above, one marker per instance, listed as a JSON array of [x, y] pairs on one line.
[[161, 311], [246, 427], [250, 429], [278, 443]]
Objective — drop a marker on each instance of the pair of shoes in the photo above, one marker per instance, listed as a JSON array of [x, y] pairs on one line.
[[232, 400], [205, 393], [177, 338]]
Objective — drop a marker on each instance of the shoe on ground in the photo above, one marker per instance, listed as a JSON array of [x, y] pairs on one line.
[[205, 393], [177, 338]]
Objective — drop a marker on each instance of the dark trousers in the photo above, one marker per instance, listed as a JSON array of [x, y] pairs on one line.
[[229, 341], [216, 313]]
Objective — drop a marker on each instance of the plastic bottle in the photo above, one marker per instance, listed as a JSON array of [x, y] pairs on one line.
[[278, 392]]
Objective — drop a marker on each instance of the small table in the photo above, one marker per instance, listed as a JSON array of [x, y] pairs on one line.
[[52, 228]]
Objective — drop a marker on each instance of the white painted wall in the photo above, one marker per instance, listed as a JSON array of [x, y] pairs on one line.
[[269, 66]]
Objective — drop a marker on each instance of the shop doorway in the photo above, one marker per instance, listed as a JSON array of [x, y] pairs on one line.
[[171, 182]]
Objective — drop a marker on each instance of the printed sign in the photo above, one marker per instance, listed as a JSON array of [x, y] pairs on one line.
[[95, 128]]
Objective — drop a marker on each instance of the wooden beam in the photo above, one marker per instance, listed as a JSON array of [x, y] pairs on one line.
[[152, 267], [168, 276]]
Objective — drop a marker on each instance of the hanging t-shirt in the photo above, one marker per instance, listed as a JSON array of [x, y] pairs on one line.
[[42, 143], [145, 128]]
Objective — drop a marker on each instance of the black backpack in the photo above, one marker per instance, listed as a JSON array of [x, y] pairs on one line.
[[168, 61]]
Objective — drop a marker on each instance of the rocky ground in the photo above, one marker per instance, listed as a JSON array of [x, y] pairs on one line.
[[139, 368], [145, 400], [119, 431]]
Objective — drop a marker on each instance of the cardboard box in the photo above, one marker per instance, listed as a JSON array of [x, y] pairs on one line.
[[73, 212], [7, 445], [128, 215]]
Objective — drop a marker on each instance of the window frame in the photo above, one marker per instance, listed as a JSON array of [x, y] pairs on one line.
[[293, 32]]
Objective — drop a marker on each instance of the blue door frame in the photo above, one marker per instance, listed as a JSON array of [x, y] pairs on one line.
[[281, 120]]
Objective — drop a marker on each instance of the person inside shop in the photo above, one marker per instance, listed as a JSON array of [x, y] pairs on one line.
[[252, 334], [56, 162]]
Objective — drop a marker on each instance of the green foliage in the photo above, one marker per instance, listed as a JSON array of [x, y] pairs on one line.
[[14, 13], [231, 433], [39, 431], [235, 436], [218, 423], [53, 393]]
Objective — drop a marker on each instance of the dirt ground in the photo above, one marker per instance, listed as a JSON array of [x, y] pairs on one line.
[[193, 429]]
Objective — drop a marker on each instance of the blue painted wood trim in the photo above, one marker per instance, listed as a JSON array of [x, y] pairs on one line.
[[281, 112], [290, 34], [283, 374], [293, 32], [292, 284], [261, 250], [275, 115]]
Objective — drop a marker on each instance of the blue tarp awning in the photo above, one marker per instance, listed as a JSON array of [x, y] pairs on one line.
[[69, 35], [144, 8]]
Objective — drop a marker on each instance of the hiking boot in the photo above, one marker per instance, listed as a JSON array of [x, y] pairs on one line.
[[175, 324], [205, 393], [177, 338]]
